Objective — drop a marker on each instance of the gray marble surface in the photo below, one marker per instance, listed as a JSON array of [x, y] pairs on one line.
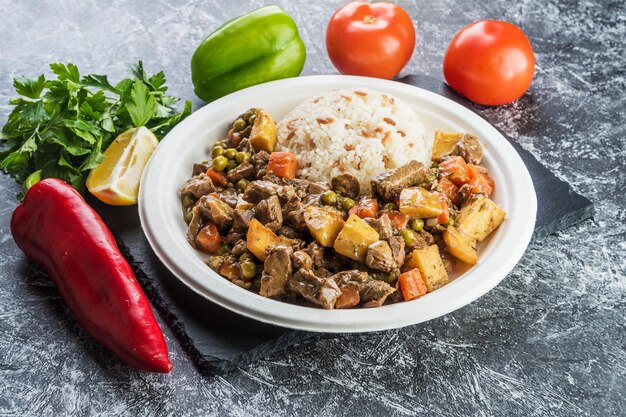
[[549, 340]]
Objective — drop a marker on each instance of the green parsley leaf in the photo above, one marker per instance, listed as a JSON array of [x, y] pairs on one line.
[[61, 126], [142, 105], [29, 87], [66, 72]]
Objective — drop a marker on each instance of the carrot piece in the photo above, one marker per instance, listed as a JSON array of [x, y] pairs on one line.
[[449, 189], [367, 207], [412, 285], [349, 297], [218, 178], [283, 164], [456, 169], [445, 214], [480, 181], [209, 239], [230, 269], [398, 220]]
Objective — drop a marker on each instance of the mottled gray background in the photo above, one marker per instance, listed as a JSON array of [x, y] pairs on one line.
[[550, 340]]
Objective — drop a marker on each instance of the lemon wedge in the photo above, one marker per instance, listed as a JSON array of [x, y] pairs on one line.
[[116, 180]]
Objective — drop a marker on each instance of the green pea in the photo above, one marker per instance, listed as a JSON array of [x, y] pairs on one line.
[[257, 283], [247, 115], [230, 153], [252, 119], [222, 143], [223, 250], [248, 269], [409, 237], [217, 151], [231, 165], [239, 125], [450, 222], [216, 262], [242, 156], [242, 184], [417, 224], [246, 257], [434, 165], [219, 163], [390, 207], [329, 198], [346, 203]]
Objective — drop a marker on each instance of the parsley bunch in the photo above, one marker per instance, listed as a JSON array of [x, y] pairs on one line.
[[60, 127]]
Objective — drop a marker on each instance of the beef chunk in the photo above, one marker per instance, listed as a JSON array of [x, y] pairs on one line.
[[319, 291], [346, 185], [288, 232], [243, 170], [259, 160], [229, 196], [388, 185], [194, 226], [260, 190], [316, 252], [396, 243], [470, 149], [286, 193], [199, 169], [428, 238], [241, 219], [382, 225], [233, 237], [217, 211], [300, 186], [294, 243], [239, 248], [371, 291], [302, 260], [317, 187], [296, 218], [276, 271], [246, 146], [292, 203], [269, 213], [379, 256], [198, 186]]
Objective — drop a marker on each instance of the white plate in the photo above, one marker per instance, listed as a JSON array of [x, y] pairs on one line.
[[189, 142]]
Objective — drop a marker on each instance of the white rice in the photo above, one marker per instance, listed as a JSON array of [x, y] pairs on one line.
[[362, 132]]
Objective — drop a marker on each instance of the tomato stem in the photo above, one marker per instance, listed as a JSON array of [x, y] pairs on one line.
[[369, 19]]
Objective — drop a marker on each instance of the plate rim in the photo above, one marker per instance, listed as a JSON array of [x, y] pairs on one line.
[[331, 320]]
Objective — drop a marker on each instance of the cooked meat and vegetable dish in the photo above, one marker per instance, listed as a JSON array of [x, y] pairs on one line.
[[331, 244]]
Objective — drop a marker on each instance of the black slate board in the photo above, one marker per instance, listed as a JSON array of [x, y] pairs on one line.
[[219, 340]]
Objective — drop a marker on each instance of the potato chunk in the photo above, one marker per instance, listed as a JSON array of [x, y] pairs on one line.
[[444, 144], [260, 239], [479, 218], [323, 224], [430, 265], [460, 245], [417, 203], [354, 238], [263, 135]]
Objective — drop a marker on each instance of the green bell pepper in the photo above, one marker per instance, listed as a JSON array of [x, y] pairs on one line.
[[260, 46]]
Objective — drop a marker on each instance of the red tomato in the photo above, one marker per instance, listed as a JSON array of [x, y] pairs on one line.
[[490, 62], [370, 39]]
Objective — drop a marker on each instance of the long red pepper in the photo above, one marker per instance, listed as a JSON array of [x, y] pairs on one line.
[[57, 229]]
